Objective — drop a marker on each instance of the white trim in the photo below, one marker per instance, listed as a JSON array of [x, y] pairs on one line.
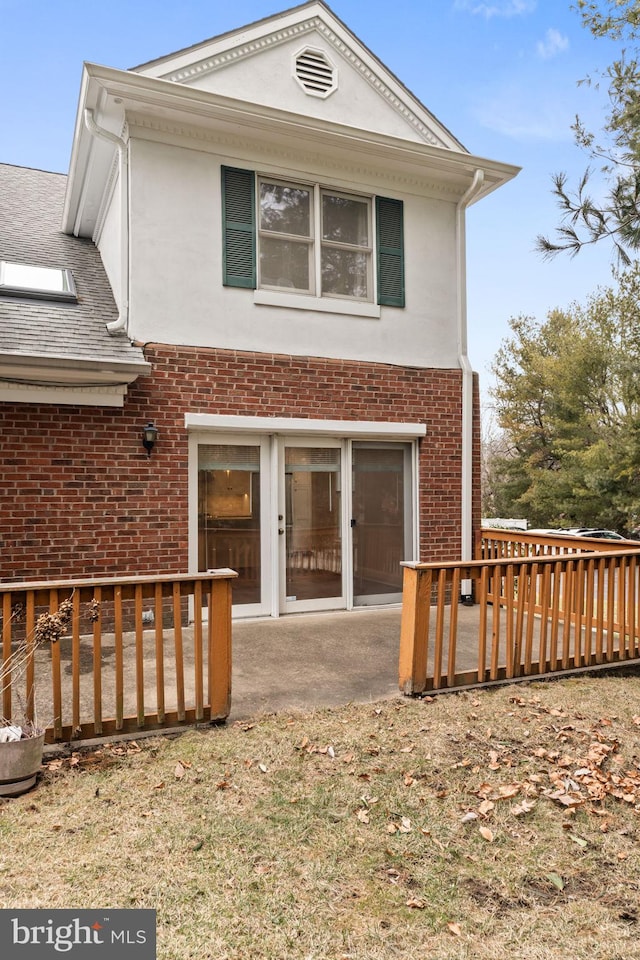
[[287, 425], [293, 301], [108, 396]]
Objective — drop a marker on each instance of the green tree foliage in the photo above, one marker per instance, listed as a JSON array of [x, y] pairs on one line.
[[615, 217], [567, 395]]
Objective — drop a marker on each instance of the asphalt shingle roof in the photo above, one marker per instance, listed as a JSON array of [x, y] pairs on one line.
[[31, 203]]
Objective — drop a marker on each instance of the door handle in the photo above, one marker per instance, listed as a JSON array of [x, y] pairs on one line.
[[280, 531]]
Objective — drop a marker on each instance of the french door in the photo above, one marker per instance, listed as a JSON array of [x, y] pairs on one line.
[[308, 523], [311, 532]]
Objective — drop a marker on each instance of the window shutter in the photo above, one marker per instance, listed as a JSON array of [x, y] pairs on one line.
[[238, 223], [390, 251]]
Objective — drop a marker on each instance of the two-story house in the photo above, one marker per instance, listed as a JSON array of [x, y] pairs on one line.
[[259, 251]]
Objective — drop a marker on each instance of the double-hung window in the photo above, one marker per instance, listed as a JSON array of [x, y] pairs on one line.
[[306, 238], [315, 241]]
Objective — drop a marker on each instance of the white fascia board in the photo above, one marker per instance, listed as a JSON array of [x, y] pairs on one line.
[[366, 429], [66, 370], [112, 396]]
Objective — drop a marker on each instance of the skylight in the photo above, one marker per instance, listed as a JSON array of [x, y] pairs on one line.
[[44, 283]]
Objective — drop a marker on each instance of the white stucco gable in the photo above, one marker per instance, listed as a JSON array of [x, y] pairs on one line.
[[305, 61]]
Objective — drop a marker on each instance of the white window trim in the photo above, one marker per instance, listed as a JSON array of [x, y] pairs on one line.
[[316, 244], [298, 301], [355, 429]]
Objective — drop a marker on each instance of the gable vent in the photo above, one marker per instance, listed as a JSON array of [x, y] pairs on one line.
[[315, 73]]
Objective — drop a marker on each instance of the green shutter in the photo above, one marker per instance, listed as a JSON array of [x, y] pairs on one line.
[[390, 251], [238, 228]]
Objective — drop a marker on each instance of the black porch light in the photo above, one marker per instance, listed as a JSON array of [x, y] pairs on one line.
[[149, 437]]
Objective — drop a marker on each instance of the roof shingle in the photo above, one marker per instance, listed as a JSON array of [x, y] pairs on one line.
[[31, 203]]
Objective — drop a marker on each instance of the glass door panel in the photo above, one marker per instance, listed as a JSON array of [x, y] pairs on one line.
[[229, 515], [379, 520], [313, 527]]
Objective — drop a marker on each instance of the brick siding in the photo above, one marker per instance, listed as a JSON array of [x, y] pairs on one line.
[[81, 498]]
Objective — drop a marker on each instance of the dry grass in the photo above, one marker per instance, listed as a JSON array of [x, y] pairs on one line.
[[346, 833]]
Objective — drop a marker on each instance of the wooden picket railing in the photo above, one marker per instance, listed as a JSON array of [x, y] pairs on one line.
[[540, 608], [139, 653]]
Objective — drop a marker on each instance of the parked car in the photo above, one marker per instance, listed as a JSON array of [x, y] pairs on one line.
[[595, 532]]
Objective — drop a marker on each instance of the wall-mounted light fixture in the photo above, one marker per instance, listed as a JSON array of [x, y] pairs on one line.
[[149, 437]]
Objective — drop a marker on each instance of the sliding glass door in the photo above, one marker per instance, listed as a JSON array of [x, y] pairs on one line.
[[230, 516], [380, 520], [308, 523]]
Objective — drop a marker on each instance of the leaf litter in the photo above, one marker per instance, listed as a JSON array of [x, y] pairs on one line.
[[520, 801]]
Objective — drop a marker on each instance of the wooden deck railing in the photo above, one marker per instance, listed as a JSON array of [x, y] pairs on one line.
[[534, 615], [493, 544], [140, 653]]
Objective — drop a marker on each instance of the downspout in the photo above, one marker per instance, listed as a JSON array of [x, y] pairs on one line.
[[467, 381], [122, 323]]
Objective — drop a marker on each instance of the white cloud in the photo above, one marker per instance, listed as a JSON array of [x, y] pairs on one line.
[[513, 115], [554, 42], [497, 8]]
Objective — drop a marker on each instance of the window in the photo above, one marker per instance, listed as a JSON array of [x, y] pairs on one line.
[[48, 283], [310, 239], [314, 241]]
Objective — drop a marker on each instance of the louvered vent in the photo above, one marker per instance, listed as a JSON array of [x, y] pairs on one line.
[[315, 73]]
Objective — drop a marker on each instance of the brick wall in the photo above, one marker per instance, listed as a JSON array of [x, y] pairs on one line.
[[81, 498]]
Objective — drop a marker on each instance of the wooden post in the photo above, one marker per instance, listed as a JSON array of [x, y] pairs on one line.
[[119, 656], [159, 637], [56, 675], [219, 653], [414, 630], [6, 653]]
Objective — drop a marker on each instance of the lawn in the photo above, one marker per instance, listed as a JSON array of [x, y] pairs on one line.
[[495, 824]]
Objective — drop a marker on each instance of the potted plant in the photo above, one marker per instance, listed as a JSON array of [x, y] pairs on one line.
[[22, 740]]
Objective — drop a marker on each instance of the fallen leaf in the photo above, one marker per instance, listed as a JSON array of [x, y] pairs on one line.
[[578, 840], [468, 817], [362, 816], [556, 880], [416, 904], [486, 807], [262, 768], [455, 929], [486, 834], [508, 790], [521, 808], [179, 771]]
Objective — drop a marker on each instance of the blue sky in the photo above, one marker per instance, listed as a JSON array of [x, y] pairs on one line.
[[502, 75]]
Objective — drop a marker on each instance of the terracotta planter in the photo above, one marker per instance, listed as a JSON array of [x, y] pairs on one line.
[[20, 761]]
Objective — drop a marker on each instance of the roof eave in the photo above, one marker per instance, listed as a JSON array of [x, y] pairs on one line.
[[104, 86]]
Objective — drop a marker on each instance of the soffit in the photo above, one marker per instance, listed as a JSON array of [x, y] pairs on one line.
[[114, 96]]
